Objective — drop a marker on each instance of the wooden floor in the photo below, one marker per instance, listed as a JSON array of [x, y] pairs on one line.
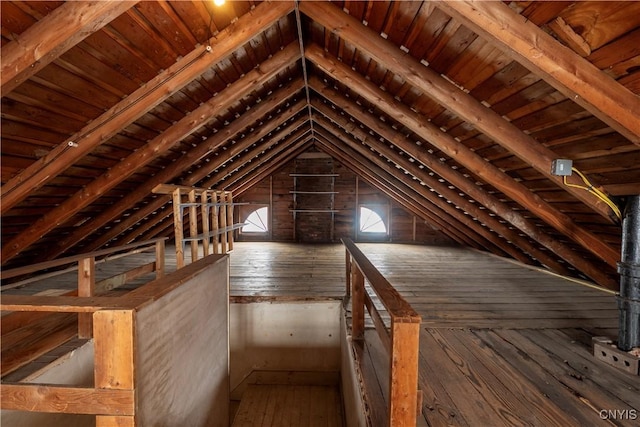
[[501, 344], [290, 406]]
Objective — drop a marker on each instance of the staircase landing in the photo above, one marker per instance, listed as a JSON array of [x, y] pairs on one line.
[[290, 405]]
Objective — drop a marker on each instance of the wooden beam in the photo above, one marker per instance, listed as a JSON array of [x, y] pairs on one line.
[[448, 95], [154, 148], [558, 65], [53, 35], [456, 178], [381, 175], [384, 182], [141, 101], [431, 202], [272, 162], [462, 183], [294, 128], [86, 288], [173, 170], [264, 131], [66, 399], [63, 304], [463, 155]]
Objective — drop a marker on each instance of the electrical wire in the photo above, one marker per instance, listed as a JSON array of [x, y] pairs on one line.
[[593, 190]]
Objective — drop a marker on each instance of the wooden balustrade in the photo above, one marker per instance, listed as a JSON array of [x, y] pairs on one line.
[[400, 339], [130, 357], [212, 224], [87, 287]]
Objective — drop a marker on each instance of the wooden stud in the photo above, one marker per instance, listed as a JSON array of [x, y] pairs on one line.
[[115, 421], [86, 288]]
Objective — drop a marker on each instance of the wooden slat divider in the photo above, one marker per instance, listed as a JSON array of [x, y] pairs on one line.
[[401, 343]]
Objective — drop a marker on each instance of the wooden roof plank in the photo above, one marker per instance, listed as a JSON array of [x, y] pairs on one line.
[[572, 75], [151, 150], [447, 94], [381, 179], [140, 102], [451, 175], [173, 170], [490, 232], [462, 154], [47, 39]]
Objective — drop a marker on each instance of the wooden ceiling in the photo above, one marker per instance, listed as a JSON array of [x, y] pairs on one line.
[[454, 109]]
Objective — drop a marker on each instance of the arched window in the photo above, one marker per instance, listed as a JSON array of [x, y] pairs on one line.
[[257, 221], [370, 221]]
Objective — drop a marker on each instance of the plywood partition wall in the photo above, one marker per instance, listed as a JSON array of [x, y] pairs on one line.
[[210, 220]]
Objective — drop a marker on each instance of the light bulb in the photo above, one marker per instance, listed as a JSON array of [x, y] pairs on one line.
[[218, 2]]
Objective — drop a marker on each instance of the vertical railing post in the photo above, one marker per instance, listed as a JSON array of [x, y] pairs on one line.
[[347, 264], [114, 358], [403, 383], [204, 199], [357, 303], [160, 255], [193, 225], [229, 200], [177, 228], [223, 222], [215, 222], [86, 288]]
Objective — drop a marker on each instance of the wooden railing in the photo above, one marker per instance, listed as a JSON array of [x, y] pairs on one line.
[[87, 286], [210, 215], [400, 340], [130, 356]]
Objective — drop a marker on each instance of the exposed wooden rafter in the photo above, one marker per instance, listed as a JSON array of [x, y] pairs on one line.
[[461, 154], [47, 39], [176, 168], [447, 94], [151, 150], [562, 68], [140, 102], [492, 203]]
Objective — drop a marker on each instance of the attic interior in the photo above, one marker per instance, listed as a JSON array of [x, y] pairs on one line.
[[507, 129]]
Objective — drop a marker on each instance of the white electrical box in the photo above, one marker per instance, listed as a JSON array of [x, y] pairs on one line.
[[561, 167]]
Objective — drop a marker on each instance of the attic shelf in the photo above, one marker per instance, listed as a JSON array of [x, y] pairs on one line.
[[313, 174], [314, 192], [314, 210]]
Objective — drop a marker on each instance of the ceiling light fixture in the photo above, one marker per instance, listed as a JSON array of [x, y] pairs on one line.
[[218, 2]]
